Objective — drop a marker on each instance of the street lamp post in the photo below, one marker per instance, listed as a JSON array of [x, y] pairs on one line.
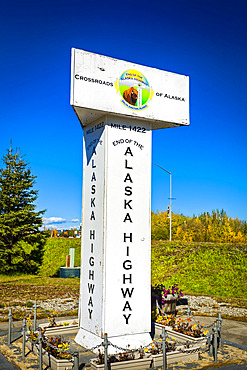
[[169, 198]]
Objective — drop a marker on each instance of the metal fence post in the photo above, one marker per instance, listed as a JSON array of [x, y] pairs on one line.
[[219, 320], [188, 312], [210, 343], [35, 316], [164, 336], [10, 326], [40, 351], [215, 344], [24, 327], [105, 344], [76, 360]]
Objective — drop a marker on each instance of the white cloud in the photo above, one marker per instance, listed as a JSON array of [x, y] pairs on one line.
[[75, 220], [50, 227], [53, 220]]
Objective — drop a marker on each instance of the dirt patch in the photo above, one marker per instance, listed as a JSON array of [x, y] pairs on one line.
[[21, 297]]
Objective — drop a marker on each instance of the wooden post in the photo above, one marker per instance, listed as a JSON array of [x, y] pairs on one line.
[[67, 261]]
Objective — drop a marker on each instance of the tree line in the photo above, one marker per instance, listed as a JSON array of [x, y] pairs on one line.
[[207, 227]]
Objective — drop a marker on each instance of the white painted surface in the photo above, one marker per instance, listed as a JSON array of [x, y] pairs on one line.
[[92, 253], [72, 257], [116, 213], [133, 341], [128, 218], [98, 82]]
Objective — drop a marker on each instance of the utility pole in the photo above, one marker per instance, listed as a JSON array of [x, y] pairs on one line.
[[170, 215]]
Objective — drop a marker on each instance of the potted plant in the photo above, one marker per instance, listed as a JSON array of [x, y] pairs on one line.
[[166, 298]]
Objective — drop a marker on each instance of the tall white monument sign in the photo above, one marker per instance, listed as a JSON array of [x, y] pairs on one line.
[[118, 104]]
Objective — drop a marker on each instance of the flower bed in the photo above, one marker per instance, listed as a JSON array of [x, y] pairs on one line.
[[123, 360], [152, 358], [60, 328], [136, 364], [182, 330], [55, 350], [49, 360], [180, 337], [53, 328]]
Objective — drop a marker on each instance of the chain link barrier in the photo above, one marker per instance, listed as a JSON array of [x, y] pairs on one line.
[[188, 348], [182, 314], [35, 307], [184, 347], [213, 339]]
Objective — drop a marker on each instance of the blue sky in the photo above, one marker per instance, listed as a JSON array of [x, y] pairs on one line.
[[204, 39]]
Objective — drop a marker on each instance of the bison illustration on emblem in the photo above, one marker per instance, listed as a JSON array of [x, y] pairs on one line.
[[130, 95]]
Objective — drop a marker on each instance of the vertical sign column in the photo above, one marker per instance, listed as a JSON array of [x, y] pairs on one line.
[[128, 227], [116, 234]]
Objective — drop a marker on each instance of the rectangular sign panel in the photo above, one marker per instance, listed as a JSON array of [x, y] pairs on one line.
[[101, 85]]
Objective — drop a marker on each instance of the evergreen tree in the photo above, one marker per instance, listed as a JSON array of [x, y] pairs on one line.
[[21, 241]]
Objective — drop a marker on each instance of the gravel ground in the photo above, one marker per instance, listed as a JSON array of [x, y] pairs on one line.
[[200, 305], [210, 307]]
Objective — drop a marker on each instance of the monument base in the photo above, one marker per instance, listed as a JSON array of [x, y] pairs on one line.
[[66, 272], [132, 341]]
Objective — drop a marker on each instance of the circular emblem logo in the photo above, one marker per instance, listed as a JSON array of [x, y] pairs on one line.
[[134, 89]]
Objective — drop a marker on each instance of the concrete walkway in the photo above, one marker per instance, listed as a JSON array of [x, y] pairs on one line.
[[4, 364], [232, 331]]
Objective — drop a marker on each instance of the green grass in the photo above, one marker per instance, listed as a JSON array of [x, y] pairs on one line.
[[34, 280], [216, 270], [54, 257], [201, 268]]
